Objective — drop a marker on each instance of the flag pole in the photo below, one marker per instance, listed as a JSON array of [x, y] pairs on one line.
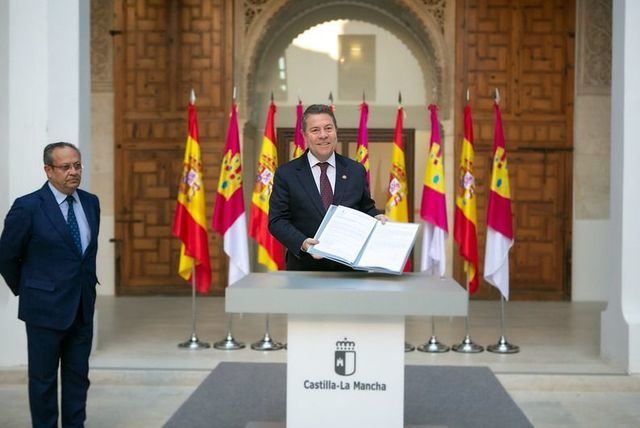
[[193, 343], [408, 347], [229, 343], [467, 345], [266, 343], [503, 346], [433, 345]]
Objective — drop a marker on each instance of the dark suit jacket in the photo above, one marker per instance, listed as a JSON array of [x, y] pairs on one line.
[[296, 211], [40, 262]]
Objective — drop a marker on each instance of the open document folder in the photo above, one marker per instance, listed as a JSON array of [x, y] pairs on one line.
[[358, 240]]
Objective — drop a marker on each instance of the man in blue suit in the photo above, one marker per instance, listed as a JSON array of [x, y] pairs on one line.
[[48, 258], [304, 187]]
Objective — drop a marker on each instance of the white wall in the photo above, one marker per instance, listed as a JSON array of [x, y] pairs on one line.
[[4, 109], [591, 190], [591, 271], [11, 329], [45, 74], [102, 184], [620, 330]]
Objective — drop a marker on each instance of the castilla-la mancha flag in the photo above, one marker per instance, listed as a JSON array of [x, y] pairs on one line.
[[499, 224], [465, 221], [362, 149], [229, 218], [397, 208], [298, 139], [434, 204], [189, 221], [270, 251]]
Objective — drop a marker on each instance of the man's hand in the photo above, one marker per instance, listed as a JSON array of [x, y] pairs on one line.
[[308, 243], [381, 218]]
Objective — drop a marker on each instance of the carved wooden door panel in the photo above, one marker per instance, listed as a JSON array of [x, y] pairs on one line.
[[525, 48], [162, 50]]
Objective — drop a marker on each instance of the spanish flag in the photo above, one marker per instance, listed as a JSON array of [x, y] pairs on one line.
[[499, 227], [189, 221], [362, 149], [298, 138], [397, 208], [229, 218], [433, 209], [270, 251], [465, 221]]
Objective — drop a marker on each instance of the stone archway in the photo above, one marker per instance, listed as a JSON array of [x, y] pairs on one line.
[[272, 26], [264, 29], [269, 27]]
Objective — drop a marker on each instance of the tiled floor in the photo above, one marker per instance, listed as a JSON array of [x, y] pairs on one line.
[[139, 376]]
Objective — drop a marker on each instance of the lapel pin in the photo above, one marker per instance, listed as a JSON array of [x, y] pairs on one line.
[[344, 177]]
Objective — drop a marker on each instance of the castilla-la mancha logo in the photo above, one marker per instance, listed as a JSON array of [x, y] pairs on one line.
[[345, 357]]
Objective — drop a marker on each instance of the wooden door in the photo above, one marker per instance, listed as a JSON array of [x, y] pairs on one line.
[[525, 48], [163, 49]]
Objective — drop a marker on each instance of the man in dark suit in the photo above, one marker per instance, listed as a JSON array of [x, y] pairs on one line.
[[48, 258], [304, 187]]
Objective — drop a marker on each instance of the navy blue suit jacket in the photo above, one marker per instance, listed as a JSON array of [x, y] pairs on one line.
[[296, 211], [40, 262]]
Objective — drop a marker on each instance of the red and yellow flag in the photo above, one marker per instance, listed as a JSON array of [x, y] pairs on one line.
[[465, 220], [499, 224], [298, 138], [362, 149], [433, 209], [189, 221], [229, 218], [270, 251], [397, 208]]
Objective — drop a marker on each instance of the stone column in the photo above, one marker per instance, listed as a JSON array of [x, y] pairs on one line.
[[44, 82], [620, 329]]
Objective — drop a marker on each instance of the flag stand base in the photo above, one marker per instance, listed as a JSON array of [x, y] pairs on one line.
[[467, 346], [433, 346], [266, 344], [194, 343], [408, 347], [228, 344], [503, 347]]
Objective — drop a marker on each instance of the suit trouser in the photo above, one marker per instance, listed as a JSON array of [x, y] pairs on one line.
[[70, 348]]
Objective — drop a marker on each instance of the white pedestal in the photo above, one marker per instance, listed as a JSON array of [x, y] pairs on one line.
[[326, 309], [345, 371]]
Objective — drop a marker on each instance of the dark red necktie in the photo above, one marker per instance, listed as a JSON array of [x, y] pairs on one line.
[[326, 193]]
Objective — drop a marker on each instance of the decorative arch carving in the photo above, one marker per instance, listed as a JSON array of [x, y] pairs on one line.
[[268, 25]]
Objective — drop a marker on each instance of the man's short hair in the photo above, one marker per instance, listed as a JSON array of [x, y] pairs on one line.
[[317, 109], [47, 154]]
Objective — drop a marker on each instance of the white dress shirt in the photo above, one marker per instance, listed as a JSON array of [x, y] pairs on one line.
[[83, 224], [315, 170]]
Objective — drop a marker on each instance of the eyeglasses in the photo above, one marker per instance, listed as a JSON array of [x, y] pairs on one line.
[[68, 166]]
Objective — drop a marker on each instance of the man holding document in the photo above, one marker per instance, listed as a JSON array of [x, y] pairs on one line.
[[304, 188]]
